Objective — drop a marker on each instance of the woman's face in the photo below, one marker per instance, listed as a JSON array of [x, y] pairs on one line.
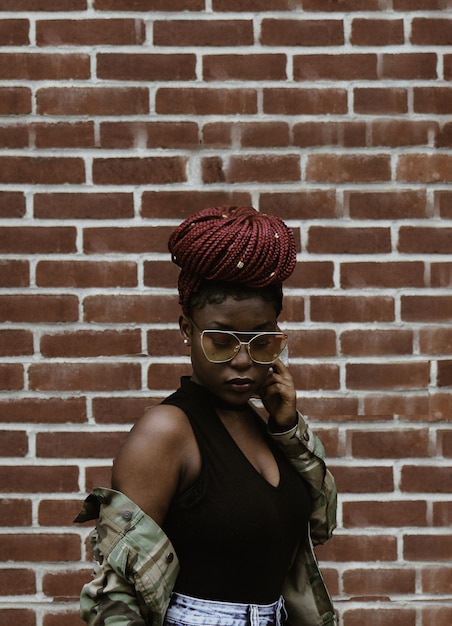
[[237, 380]]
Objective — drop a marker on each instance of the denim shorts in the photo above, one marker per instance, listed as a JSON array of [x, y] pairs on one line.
[[188, 611]]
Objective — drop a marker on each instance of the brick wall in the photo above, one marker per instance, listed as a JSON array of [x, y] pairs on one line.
[[121, 117]]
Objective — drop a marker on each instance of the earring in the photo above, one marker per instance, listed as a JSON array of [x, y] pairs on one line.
[[186, 341]]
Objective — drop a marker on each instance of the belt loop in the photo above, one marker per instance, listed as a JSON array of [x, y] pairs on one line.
[[253, 615]]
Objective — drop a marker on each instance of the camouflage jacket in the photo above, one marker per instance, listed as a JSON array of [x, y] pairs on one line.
[[137, 565]]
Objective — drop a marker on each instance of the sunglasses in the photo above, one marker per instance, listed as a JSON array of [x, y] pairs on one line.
[[221, 346]]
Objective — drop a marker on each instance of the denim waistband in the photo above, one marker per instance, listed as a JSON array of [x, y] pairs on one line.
[[189, 611]]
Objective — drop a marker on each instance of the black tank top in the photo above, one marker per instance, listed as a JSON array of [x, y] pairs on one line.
[[234, 533]]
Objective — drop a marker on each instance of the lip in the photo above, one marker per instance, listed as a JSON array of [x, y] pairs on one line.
[[240, 385]]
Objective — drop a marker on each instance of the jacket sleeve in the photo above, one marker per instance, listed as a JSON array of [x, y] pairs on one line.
[[136, 564], [305, 451]]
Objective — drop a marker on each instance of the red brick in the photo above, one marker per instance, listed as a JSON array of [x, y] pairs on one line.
[[345, 5], [254, 5], [37, 240], [293, 309], [426, 308], [44, 5], [377, 342], [384, 581], [443, 200], [12, 203], [342, 309], [166, 375], [203, 33], [312, 343], [435, 340], [436, 615], [11, 376], [427, 547], [120, 410], [14, 136], [444, 375], [442, 514], [246, 135], [329, 407], [181, 204], [139, 171], [410, 375], [14, 273], [15, 100], [41, 170], [403, 404], [365, 548], [428, 168], [63, 618], [431, 32], [437, 100], [443, 138], [382, 275], [437, 579], [346, 134], [367, 514], [84, 376], [39, 479], [129, 239], [14, 513], [14, 32], [402, 133], [244, 67], [394, 444], [16, 342], [79, 32], [64, 135], [316, 376], [409, 66], [425, 479], [24, 617], [124, 309], [446, 439], [146, 67], [83, 206], [149, 5], [58, 512], [96, 476], [14, 443], [283, 32], [447, 61], [78, 445], [338, 240], [311, 204], [348, 168], [256, 168], [47, 410], [165, 343], [64, 585], [206, 101], [387, 205], [305, 101], [335, 67], [425, 240], [380, 617], [17, 581], [126, 135], [92, 101], [44, 66], [311, 274], [86, 274], [85, 343], [40, 547], [380, 100], [368, 479], [160, 274], [375, 32], [439, 406]]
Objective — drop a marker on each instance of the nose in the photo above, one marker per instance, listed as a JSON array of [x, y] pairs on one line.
[[242, 359]]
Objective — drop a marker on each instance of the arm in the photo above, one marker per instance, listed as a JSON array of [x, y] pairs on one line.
[[137, 566], [304, 449]]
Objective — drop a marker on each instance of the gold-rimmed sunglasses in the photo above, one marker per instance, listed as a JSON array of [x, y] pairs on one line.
[[221, 346]]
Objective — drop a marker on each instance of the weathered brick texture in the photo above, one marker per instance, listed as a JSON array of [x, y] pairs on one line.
[[118, 118]]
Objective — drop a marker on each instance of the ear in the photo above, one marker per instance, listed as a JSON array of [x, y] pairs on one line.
[[185, 329]]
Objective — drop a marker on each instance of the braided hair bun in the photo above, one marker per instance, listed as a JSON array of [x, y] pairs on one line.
[[233, 245]]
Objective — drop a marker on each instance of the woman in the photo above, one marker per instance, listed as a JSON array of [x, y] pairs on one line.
[[213, 509]]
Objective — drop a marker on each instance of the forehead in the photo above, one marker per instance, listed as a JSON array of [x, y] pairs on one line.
[[241, 315]]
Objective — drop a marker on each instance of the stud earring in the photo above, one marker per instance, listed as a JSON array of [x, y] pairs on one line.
[[186, 342]]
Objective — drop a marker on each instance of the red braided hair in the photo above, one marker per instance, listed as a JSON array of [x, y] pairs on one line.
[[231, 244]]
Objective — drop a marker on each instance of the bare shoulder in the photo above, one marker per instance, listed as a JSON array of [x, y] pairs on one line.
[[158, 458]]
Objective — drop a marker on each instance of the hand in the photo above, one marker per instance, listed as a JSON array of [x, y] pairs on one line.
[[279, 396]]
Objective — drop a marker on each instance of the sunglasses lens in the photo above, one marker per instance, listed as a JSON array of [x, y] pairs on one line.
[[219, 347], [266, 348]]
